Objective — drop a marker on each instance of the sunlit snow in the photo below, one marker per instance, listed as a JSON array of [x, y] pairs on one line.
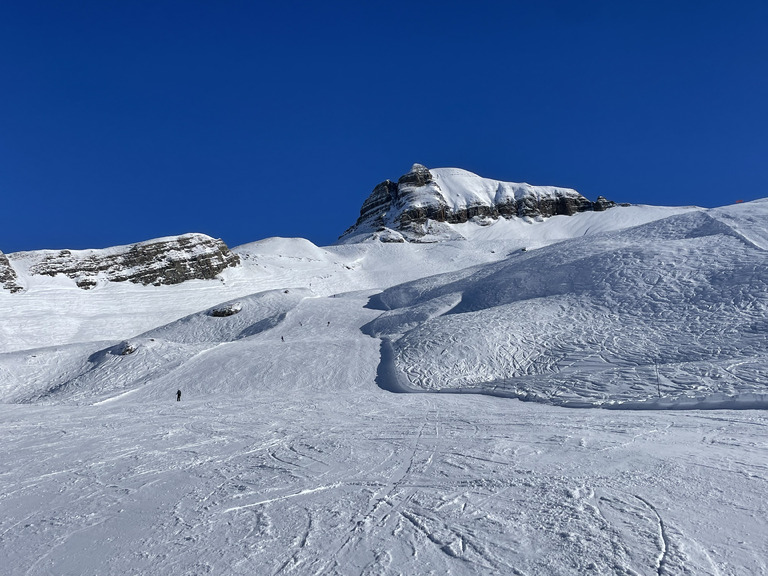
[[291, 452]]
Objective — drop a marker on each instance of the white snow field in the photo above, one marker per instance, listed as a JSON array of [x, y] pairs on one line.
[[593, 320], [291, 453]]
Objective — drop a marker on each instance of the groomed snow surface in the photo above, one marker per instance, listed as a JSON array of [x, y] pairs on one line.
[[289, 452]]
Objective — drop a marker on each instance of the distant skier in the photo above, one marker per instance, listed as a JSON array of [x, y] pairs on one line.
[[178, 395], [282, 339], [329, 322]]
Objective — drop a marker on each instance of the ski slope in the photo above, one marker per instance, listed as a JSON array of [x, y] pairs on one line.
[[290, 454], [376, 483], [591, 321]]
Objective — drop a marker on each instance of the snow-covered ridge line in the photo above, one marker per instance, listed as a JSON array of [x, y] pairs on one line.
[[423, 204], [167, 260]]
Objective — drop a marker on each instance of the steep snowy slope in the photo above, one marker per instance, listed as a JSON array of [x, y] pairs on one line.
[[589, 321]]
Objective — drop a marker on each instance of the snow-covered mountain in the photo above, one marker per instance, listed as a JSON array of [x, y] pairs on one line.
[[423, 205], [289, 451], [639, 305]]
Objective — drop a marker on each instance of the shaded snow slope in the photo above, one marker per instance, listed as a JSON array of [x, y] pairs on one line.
[[748, 220], [537, 233]]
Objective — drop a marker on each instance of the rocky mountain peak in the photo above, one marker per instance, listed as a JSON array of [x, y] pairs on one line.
[[424, 204], [418, 176]]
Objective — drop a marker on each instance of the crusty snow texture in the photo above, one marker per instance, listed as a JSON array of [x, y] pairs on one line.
[[291, 453]]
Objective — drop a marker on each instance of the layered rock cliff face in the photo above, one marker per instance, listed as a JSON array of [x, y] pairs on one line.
[[8, 278], [409, 209], [163, 261]]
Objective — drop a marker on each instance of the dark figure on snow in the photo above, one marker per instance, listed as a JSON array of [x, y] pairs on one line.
[[178, 395], [282, 339]]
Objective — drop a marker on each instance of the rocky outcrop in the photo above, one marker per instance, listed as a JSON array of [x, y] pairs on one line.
[[602, 204], [8, 278], [163, 261], [226, 310], [376, 205], [406, 210], [417, 177]]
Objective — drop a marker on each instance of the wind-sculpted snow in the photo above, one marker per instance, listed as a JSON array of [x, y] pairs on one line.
[[589, 322], [30, 375], [748, 220]]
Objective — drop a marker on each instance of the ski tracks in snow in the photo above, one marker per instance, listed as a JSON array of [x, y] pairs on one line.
[[393, 484]]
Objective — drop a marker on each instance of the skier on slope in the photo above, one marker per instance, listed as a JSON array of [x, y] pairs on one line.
[[178, 395]]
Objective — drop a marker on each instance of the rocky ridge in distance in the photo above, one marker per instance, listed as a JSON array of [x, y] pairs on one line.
[[162, 261]]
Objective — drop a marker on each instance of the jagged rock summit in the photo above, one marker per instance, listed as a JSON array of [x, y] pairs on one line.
[[423, 205], [169, 260]]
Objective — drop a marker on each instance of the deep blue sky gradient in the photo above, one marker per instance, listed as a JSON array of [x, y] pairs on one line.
[[124, 121]]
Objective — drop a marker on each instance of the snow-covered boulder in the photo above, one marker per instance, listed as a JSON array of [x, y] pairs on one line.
[[124, 348], [226, 310]]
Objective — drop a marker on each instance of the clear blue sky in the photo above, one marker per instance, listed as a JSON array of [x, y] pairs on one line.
[[124, 121]]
